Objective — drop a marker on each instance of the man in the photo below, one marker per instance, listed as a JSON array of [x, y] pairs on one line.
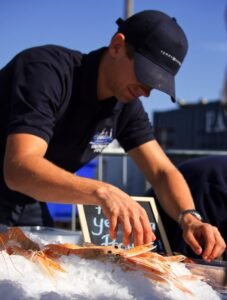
[[62, 107]]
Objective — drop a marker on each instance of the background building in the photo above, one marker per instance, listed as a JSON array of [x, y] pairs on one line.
[[201, 126]]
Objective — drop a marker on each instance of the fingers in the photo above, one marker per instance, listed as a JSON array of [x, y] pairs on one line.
[[134, 224], [126, 228], [140, 226], [138, 233], [206, 240], [192, 242], [214, 245], [126, 231], [122, 210], [113, 227], [148, 235], [142, 230]]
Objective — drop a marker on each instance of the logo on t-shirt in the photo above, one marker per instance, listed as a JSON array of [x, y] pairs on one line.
[[101, 139]]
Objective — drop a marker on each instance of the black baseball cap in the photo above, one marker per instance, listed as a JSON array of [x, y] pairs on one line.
[[160, 47]]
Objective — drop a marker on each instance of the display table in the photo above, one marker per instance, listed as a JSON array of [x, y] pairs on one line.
[[58, 235]]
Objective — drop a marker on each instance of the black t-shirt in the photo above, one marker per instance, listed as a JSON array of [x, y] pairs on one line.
[[50, 92]]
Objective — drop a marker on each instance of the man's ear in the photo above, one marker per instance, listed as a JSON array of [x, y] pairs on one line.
[[117, 43]]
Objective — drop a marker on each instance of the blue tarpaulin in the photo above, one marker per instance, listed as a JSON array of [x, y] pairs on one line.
[[63, 212]]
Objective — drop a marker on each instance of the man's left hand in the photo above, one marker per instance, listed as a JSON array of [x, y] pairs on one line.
[[204, 239]]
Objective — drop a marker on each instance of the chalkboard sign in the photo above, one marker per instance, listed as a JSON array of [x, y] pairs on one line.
[[95, 226]]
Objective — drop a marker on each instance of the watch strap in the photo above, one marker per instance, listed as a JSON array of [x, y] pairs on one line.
[[193, 212]]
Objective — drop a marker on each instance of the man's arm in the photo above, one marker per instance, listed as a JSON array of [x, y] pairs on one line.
[[28, 172], [175, 197]]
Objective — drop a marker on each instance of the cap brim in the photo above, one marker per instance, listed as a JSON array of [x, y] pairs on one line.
[[154, 76]]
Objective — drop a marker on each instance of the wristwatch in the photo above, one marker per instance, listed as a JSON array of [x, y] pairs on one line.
[[193, 212]]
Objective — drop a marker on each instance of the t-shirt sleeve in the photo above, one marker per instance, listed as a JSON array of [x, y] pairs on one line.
[[36, 96], [135, 127]]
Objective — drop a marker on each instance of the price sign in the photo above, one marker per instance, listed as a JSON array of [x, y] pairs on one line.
[[95, 226]]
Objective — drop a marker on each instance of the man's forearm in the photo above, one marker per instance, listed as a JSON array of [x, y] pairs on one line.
[[44, 181], [173, 193]]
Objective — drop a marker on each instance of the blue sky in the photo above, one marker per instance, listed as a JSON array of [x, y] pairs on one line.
[[86, 25]]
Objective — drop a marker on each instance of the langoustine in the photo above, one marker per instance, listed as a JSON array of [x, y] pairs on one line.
[[153, 265]]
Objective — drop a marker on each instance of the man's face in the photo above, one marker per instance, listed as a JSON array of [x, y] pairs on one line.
[[123, 82], [127, 87]]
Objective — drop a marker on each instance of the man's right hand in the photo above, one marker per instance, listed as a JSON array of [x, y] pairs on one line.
[[122, 210]]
